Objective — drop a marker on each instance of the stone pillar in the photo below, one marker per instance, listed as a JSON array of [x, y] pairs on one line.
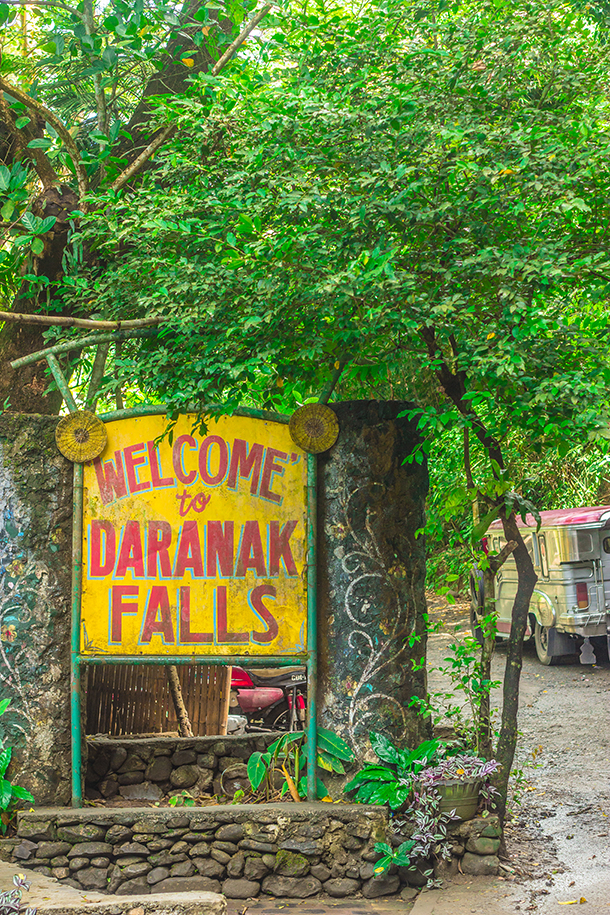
[[371, 571], [35, 587]]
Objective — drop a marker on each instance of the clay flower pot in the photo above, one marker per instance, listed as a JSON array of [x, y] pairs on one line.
[[461, 795]]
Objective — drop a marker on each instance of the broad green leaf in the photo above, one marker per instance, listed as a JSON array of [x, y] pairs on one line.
[[5, 758], [257, 770], [334, 745], [22, 794], [4, 704], [6, 793]]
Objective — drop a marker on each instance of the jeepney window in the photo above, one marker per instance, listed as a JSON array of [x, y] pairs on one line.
[[584, 542], [536, 559], [496, 545], [529, 543], [544, 562], [606, 544]]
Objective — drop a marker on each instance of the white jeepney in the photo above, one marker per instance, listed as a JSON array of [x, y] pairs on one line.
[[571, 602]]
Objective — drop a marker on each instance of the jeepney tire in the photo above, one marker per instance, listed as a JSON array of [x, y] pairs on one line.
[[541, 643]]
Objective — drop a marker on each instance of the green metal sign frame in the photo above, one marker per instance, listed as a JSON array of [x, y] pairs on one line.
[[77, 660]]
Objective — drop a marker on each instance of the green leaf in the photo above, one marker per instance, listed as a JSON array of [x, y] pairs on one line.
[[7, 210], [334, 745], [4, 704], [37, 245], [5, 758], [39, 143], [6, 793], [22, 794], [374, 774], [257, 770], [480, 529], [384, 748], [22, 122]]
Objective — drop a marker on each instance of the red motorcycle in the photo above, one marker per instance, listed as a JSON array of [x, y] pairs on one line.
[[269, 700]]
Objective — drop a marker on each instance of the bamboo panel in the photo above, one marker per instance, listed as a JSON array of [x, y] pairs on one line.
[[135, 699]]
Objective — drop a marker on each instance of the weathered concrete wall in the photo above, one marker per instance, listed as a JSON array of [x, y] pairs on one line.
[[35, 582], [371, 599]]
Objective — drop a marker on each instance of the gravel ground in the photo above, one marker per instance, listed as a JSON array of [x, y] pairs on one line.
[[558, 833]]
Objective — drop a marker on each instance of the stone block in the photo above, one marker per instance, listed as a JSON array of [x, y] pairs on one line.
[[59, 861], [184, 776], [52, 849], [131, 848], [25, 850], [60, 873], [46, 871], [37, 830], [159, 769], [200, 850], [481, 845], [157, 874], [210, 868], [231, 832], [408, 893], [159, 844], [117, 758], [149, 828], [146, 791], [480, 865], [303, 846], [77, 864], [92, 878], [321, 872], [220, 855], [184, 758], [109, 787], [262, 847], [132, 763], [255, 869], [229, 847], [240, 889], [89, 849], [139, 886], [206, 761], [341, 887], [187, 885], [235, 865], [137, 869], [291, 887], [130, 778], [385, 885], [182, 869], [290, 864]]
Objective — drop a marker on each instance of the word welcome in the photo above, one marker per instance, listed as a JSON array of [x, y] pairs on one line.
[[157, 617], [138, 468], [206, 550]]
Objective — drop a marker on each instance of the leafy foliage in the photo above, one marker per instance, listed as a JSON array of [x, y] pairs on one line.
[[10, 794]]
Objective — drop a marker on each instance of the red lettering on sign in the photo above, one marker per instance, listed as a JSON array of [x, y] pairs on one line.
[[256, 602], [118, 609], [279, 547], [186, 636], [251, 555], [132, 462], [130, 552], [178, 459], [212, 479], [270, 468], [155, 468], [98, 566], [223, 637], [245, 463], [111, 478], [158, 619], [219, 548], [188, 555], [158, 541], [197, 503]]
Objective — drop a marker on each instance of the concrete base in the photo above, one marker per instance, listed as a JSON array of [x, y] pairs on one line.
[[49, 897]]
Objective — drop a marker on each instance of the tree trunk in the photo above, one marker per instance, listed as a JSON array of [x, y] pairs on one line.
[[184, 724], [527, 579], [371, 571]]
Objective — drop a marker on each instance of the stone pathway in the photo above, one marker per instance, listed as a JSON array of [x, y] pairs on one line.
[[320, 906]]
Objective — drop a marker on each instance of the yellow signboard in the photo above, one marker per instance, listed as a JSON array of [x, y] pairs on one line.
[[195, 546]]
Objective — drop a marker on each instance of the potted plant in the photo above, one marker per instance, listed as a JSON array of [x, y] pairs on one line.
[[459, 780]]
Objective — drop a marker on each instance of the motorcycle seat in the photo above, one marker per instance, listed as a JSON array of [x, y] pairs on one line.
[[290, 676]]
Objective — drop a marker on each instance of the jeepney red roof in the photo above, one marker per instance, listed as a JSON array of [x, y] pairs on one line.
[[566, 516]]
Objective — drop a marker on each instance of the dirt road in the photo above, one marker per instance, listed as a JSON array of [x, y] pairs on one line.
[[558, 836]]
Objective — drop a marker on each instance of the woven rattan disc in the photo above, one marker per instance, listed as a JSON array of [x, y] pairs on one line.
[[81, 436], [314, 428]]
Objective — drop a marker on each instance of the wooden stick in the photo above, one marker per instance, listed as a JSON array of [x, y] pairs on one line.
[[184, 725]]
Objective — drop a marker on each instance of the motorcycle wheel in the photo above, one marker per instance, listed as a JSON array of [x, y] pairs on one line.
[[279, 719]]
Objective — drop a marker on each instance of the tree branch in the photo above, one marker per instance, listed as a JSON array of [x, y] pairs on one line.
[[49, 4], [166, 134], [61, 130], [15, 318]]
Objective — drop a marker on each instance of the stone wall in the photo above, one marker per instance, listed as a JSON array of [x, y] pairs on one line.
[[35, 587], [148, 769], [285, 850]]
